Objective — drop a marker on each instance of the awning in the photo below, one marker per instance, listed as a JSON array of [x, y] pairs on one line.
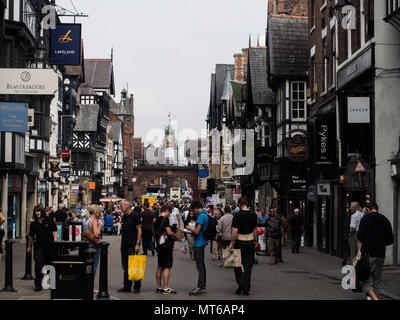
[[113, 199]]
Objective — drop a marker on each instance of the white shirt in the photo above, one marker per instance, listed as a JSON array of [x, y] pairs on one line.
[[355, 220], [173, 217]]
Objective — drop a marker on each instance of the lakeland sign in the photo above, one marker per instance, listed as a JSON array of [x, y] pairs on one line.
[[28, 81]]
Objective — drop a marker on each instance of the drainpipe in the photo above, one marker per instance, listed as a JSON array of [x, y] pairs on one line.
[[395, 222]]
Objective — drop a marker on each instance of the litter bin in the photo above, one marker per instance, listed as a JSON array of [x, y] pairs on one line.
[[75, 231], [74, 271]]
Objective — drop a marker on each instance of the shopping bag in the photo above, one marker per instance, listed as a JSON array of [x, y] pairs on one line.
[[184, 247], [232, 259], [136, 267], [179, 235]]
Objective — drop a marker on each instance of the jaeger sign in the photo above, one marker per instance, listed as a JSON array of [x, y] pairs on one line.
[[28, 81]]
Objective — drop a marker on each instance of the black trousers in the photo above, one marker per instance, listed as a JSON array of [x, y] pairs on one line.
[[42, 257], [243, 277], [147, 240], [296, 241], [201, 267], [125, 253]]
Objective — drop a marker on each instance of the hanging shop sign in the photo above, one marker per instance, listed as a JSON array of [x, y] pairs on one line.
[[54, 166], [298, 182], [65, 44], [298, 148], [92, 185], [324, 145], [13, 117], [358, 110], [203, 173], [17, 81]]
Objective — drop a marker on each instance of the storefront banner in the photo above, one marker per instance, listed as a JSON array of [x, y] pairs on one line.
[[28, 81], [65, 44], [13, 117], [323, 141], [358, 110]]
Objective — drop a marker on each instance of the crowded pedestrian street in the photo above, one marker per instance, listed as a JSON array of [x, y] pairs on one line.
[[310, 275], [190, 150]]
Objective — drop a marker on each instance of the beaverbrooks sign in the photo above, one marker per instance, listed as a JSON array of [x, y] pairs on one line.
[[28, 81]]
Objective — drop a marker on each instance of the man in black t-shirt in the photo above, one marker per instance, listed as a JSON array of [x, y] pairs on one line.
[[374, 234], [244, 235], [165, 239], [296, 230], [43, 232], [130, 242]]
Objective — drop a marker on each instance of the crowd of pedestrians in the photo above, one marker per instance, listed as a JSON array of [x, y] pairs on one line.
[[156, 229]]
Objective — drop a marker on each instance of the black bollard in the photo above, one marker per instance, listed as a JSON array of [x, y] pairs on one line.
[[89, 276], [103, 281], [8, 283], [28, 263]]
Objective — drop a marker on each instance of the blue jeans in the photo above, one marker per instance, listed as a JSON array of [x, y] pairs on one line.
[[96, 257]]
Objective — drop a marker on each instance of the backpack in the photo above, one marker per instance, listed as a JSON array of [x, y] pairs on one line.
[[211, 231]]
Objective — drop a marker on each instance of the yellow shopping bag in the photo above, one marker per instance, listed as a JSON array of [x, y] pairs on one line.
[[136, 267]]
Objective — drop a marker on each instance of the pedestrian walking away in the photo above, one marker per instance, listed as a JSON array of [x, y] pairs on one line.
[[356, 216], [42, 232], [165, 239], [199, 246], [273, 235], [244, 236], [296, 230], [374, 234], [224, 227], [130, 242], [148, 220]]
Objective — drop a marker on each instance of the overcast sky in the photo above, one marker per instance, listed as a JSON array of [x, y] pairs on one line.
[[166, 50]]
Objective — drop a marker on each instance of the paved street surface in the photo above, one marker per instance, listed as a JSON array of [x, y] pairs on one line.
[[310, 275]]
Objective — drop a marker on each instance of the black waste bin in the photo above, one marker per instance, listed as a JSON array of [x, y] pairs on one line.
[[74, 271]]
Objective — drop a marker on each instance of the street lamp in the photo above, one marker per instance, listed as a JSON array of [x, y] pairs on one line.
[[40, 53], [395, 165], [338, 9]]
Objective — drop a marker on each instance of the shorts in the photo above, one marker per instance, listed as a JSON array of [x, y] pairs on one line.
[[226, 243], [165, 259]]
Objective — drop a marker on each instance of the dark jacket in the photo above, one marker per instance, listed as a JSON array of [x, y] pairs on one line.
[[375, 232]]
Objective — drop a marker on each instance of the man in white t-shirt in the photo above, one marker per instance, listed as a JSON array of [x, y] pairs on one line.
[[174, 218], [356, 216]]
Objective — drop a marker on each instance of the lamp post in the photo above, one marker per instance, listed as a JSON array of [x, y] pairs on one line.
[[338, 9]]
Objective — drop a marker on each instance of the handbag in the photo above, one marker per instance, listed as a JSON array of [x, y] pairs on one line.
[[90, 235], [136, 267], [179, 235], [232, 259], [363, 269]]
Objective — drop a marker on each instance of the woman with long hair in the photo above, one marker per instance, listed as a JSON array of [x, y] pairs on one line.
[[93, 224]]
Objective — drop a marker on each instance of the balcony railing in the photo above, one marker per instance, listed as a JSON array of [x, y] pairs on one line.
[[393, 13]]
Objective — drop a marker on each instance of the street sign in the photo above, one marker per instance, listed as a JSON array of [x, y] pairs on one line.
[[64, 153], [203, 173], [360, 167]]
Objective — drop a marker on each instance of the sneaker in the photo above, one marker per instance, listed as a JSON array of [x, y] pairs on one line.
[[369, 298], [124, 290], [197, 292], [169, 291], [159, 290]]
